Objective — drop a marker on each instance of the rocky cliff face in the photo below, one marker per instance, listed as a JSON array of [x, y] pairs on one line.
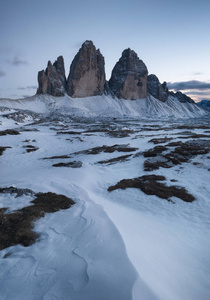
[[129, 77], [87, 72], [87, 78], [156, 89], [52, 81]]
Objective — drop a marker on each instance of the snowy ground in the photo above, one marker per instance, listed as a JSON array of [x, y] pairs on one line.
[[122, 244]]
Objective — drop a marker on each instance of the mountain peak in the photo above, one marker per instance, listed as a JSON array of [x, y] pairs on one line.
[[129, 53], [156, 89], [129, 77], [87, 72], [88, 43], [52, 81]]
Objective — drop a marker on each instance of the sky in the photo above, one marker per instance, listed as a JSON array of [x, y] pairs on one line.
[[171, 37]]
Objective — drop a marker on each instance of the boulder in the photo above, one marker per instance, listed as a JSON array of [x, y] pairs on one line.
[[87, 73], [129, 77], [156, 89], [52, 81]]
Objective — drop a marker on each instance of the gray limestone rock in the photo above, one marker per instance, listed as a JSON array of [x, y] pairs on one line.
[[156, 89], [59, 65], [129, 77], [87, 72], [52, 81]]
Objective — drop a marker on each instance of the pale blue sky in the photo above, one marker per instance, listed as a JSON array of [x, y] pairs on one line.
[[171, 37]]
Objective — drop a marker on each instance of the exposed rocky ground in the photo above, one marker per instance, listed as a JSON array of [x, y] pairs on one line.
[[119, 174], [182, 152]]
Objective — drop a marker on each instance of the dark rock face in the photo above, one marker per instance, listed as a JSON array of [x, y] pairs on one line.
[[156, 89], [87, 72], [59, 65], [129, 77], [181, 97], [52, 81], [204, 104]]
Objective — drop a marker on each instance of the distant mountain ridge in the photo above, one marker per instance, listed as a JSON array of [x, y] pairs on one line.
[[129, 79], [204, 104]]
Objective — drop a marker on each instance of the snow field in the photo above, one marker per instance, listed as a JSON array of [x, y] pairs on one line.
[[109, 245]]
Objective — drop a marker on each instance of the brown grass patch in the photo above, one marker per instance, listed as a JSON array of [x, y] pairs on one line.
[[107, 149], [71, 164], [2, 149], [58, 157], [115, 159], [17, 227], [9, 132], [151, 185], [31, 148], [184, 152], [155, 151], [160, 140]]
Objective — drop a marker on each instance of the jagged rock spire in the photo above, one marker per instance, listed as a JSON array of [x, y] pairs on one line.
[[52, 81], [129, 77], [156, 89], [87, 72]]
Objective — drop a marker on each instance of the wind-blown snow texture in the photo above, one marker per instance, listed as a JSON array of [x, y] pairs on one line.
[[109, 245]]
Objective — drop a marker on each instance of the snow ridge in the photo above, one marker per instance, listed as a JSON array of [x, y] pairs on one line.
[[106, 106]]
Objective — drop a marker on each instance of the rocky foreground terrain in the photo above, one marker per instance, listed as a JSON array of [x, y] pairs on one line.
[[103, 208]]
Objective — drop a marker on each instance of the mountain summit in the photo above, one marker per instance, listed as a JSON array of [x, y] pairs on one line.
[[129, 77], [87, 78], [87, 72], [53, 81]]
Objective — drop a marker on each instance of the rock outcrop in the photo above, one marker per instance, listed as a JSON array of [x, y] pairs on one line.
[[87, 72], [156, 89], [52, 81], [181, 97], [129, 77]]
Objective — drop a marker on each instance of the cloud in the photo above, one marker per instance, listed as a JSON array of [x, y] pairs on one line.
[[197, 73], [199, 93], [2, 73], [189, 85], [16, 61]]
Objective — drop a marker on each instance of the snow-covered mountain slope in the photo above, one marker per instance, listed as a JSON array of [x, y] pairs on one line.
[[106, 106]]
